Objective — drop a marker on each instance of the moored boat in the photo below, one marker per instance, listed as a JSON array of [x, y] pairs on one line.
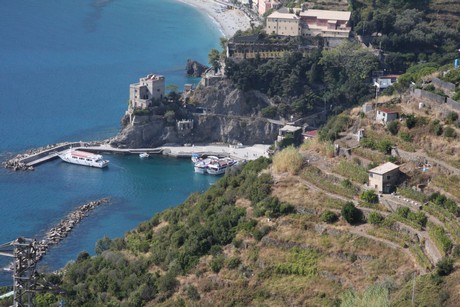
[[83, 158], [196, 157], [219, 166], [201, 165], [144, 155]]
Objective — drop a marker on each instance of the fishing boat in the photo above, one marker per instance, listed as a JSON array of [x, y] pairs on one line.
[[83, 158], [219, 166], [144, 155]]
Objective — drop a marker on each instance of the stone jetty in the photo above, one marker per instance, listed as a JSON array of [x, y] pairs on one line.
[[27, 160], [65, 226]]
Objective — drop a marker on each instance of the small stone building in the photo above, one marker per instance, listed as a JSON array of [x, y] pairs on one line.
[[383, 178], [292, 132], [386, 115]]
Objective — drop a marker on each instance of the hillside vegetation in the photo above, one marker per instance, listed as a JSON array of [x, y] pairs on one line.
[[280, 233]]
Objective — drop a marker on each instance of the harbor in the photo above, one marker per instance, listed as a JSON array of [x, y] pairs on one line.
[[33, 157]]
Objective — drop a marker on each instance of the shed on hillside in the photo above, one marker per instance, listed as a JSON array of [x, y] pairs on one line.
[[386, 115]]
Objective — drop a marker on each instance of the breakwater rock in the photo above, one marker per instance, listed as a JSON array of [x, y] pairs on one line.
[[65, 226], [17, 165]]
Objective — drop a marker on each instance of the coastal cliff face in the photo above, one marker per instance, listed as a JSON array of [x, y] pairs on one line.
[[225, 98], [230, 116]]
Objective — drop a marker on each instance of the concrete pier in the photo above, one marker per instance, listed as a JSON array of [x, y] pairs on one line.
[[31, 158]]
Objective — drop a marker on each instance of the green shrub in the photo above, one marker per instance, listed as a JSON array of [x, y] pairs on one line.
[[449, 132], [375, 218], [233, 263], [261, 232], [451, 117], [329, 217], [403, 212], [407, 137], [447, 203], [385, 146], [438, 234], [456, 96], [370, 197], [192, 293], [217, 263], [393, 127], [456, 251], [445, 266], [351, 214], [436, 128], [411, 121], [334, 126]]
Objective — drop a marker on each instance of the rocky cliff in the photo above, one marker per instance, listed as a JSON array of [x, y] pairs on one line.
[[194, 68], [229, 116]]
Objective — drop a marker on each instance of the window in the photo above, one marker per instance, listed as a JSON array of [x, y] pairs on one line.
[[371, 175], [388, 177]]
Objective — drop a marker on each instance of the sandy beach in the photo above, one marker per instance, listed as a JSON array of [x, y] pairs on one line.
[[228, 20]]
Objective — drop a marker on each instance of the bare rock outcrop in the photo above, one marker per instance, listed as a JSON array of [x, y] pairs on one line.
[[195, 69]]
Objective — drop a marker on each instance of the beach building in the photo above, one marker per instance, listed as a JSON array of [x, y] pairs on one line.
[[285, 24], [149, 88], [383, 178], [334, 26], [386, 115]]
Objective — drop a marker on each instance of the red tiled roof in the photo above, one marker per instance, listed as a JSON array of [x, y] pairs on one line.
[[311, 134]]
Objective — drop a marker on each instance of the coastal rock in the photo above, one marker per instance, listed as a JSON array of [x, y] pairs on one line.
[[194, 68], [227, 115]]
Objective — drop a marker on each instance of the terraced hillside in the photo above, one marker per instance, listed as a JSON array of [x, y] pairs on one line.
[[279, 233]]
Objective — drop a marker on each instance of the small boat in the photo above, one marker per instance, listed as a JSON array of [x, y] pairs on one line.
[[83, 158], [219, 166], [144, 155]]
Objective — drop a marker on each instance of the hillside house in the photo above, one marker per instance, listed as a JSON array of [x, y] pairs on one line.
[[291, 133], [383, 178], [149, 88], [386, 115], [383, 82]]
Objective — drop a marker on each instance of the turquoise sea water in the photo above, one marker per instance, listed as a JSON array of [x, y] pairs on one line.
[[65, 70]]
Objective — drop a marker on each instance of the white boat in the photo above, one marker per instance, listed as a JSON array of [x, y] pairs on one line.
[[202, 164], [219, 166], [83, 158], [196, 157], [144, 155]]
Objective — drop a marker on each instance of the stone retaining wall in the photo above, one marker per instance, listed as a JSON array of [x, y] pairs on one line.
[[428, 95], [443, 85], [454, 104]]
